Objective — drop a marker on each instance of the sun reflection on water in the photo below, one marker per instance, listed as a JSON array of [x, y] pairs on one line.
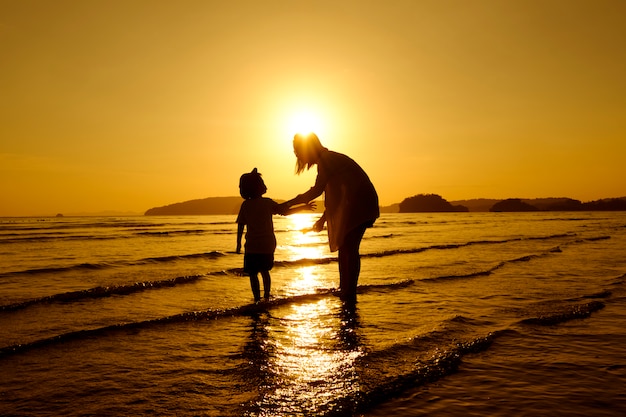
[[309, 251], [307, 280], [314, 350], [304, 244]]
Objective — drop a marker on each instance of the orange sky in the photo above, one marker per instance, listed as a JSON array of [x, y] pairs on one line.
[[126, 105]]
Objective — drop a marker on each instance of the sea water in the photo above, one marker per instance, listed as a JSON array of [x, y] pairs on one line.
[[500, 314]]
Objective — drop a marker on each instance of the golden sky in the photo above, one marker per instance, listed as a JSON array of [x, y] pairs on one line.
[[126, 105]]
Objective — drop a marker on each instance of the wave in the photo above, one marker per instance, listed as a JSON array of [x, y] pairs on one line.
[[444, 361], [76, 267], [387, 236], [558, 317], [105, 265], [525, 258], [306, 261], [595, 239], [470, 243], [491, 270], [159, 259], [172, 232], [53, 237], [101, 292]]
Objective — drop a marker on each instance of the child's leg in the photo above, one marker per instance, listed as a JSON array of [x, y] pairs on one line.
[[254, 284], [267, 283]]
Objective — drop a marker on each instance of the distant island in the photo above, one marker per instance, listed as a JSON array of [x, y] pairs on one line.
[[420, 203], [429, 203], [211, 205]]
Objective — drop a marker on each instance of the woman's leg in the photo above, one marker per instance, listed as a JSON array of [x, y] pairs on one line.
[[267, 283], [350, 263]]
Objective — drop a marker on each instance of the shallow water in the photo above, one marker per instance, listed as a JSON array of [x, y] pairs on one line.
[[458, 314], [577, 368]]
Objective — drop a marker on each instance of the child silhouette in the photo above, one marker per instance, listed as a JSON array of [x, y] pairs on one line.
[[255, 215]]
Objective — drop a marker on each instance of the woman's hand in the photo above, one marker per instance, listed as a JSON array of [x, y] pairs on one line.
[[319, 225]]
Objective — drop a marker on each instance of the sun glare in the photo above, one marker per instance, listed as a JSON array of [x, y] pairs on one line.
[[305, 121], [305, 244]]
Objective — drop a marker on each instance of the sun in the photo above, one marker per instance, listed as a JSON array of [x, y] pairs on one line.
[[305, 121]]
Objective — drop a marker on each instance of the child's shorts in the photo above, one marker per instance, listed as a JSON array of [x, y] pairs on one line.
[[254, 263]]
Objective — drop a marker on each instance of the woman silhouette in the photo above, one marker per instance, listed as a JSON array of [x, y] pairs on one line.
[[350, 201]]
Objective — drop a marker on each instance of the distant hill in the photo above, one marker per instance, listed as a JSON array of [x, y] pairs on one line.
[[477, 204], [513, 204], [429, 203], [606, 204], [211, 205]]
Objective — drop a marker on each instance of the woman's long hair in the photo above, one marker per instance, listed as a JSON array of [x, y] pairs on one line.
[[307, 149]]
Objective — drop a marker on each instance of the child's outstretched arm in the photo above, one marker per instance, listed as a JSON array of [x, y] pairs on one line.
[[285, 210]]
